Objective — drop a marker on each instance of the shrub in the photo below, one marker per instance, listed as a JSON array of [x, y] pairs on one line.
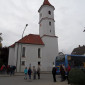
[[76, 76]]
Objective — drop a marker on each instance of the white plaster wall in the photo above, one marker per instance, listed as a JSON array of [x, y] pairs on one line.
[[31, 56], [12, 59], [17, 56], [44, 28], [44, 11], [49, 52]]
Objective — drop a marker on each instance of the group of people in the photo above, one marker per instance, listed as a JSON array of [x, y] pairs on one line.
[[63, 71], [33, 71], [28, 72], [7, 69]]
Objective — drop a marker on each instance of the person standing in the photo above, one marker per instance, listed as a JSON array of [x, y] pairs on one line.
[[68, 70], [54, 73], [34, 73], [29, 72], [25, 72], [14, 67], [62, 72], [8, 69], [38, 72], [11, 70]]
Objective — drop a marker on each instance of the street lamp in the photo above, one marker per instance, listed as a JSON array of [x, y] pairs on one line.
[[24, 30], [21, 45], [0, 33], [84, 30]]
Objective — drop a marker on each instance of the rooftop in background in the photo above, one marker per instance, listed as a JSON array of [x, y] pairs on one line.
[[79, 50]]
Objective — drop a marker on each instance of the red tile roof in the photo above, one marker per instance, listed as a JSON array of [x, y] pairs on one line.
[[31, 39], [13, 45], [46, 2]]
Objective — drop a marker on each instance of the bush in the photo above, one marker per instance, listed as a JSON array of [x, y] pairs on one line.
[[76, 76]]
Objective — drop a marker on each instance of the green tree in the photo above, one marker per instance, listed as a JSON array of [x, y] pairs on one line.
[[4, 56]]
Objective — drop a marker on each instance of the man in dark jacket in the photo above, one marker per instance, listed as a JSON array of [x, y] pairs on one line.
[[54, 73]]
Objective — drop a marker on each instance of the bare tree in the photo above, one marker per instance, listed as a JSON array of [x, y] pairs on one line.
[[0, 37]]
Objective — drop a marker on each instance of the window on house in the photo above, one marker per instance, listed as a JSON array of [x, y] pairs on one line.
[[38, 52], [23, 63], [38, 63], [50, 23], [23, 52], [49, 12]]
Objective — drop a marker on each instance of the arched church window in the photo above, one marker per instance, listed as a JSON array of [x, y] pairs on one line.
[[50, 23], [38, 52], [23, 52], [49, 12]]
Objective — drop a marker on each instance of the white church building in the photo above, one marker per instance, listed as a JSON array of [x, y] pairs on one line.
[[34, 50]]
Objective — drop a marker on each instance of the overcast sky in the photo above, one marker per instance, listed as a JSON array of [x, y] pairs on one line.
[[69, 21]]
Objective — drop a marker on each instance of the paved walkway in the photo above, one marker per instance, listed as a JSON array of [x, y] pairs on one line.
[[46, 79]]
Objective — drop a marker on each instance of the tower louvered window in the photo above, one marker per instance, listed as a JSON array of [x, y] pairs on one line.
[[49, 12], [50, 23]]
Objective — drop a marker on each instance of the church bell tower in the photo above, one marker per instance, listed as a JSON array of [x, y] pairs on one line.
[[47, 34], [46, 19]]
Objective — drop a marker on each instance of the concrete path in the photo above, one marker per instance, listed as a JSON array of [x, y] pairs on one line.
[[46, 79]]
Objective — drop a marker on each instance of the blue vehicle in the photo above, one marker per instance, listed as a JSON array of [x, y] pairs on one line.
[[75, 61]]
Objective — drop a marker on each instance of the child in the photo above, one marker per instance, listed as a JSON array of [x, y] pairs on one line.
[[25, 72]]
